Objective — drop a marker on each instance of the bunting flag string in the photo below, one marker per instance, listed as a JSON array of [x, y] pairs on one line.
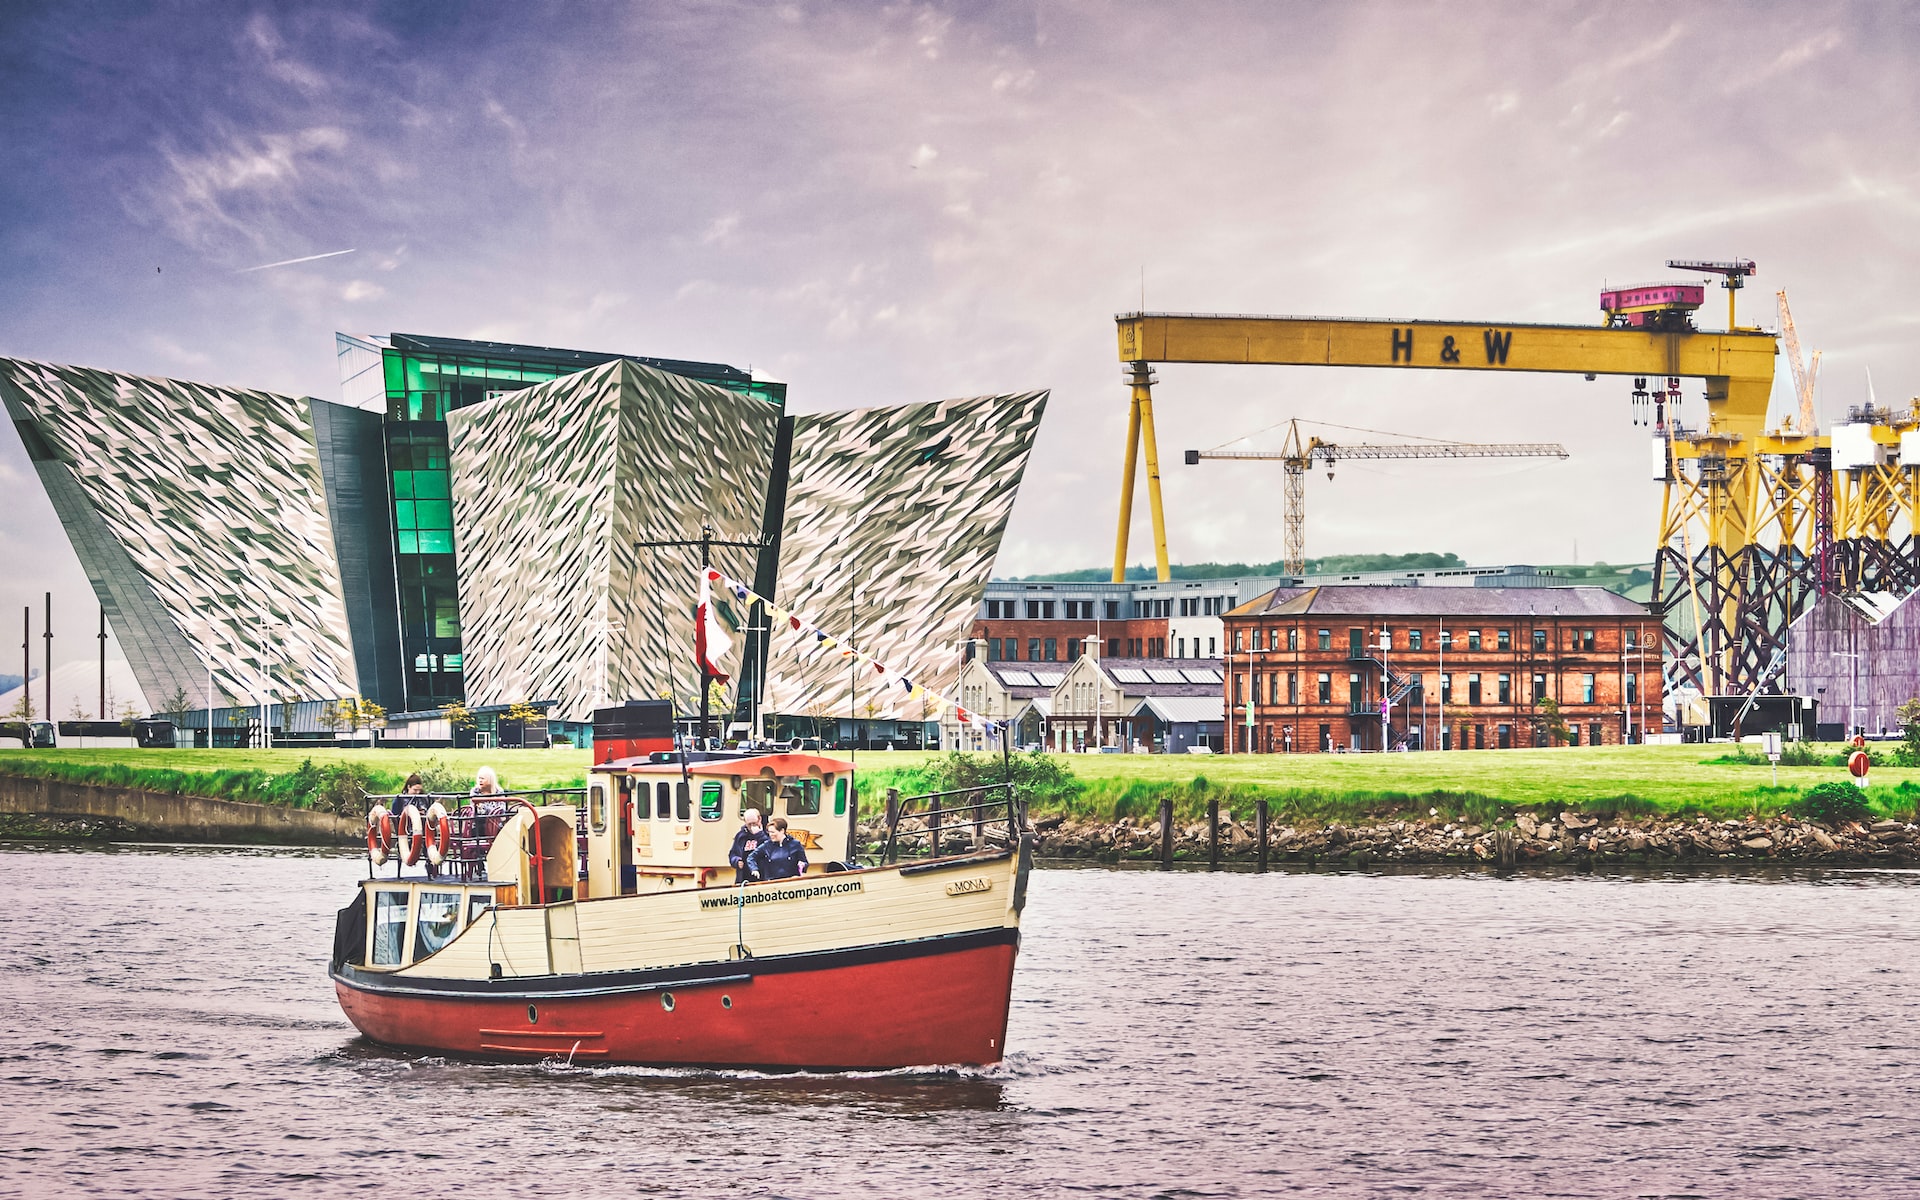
[[796, 623]]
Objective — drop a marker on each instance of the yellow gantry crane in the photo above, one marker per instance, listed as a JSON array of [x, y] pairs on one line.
[[1296, 457], [1734, 530]]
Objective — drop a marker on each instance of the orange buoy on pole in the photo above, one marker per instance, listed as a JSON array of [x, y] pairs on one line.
[[1858, 764]]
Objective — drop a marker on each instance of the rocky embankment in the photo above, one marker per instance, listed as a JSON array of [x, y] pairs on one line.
[[1566, 836]]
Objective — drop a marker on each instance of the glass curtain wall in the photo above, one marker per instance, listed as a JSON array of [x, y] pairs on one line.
[[425, 380]]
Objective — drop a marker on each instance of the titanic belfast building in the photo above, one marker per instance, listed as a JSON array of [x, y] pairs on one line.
[[483, 523]]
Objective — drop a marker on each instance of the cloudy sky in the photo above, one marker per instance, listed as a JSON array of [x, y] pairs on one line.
[[895, 202]]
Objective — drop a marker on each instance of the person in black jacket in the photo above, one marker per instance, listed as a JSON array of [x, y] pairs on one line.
[[782, 858], [750, 838]]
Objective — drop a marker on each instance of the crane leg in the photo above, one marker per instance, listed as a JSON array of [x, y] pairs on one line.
[[1143, 400], [1126, 491]]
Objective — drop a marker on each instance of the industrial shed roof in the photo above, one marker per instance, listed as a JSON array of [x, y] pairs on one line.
[[1440, 602]]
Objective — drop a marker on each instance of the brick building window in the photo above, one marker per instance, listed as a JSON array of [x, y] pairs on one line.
[[1479, 737], [1053, 646], [1506, 639], [993, 649], [1326, 737], [1586, 689], [1113, 647], [1356, 692], [1326, 690], [1633, 688], [1540, 641], [1133, 648], [1473, 639], [1033, 649], [1506, 689], [1356, 643], [1293, 638], [1593, 734], [1293, 688], [1587, 640], [1630, 639], [1446, 689], [1473, 692], [1505, 735], [1539, 688], [1413, 639], [1326, 639], [1073, 649], [1239, 639]]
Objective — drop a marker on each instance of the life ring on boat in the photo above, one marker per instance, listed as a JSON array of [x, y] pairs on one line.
[[439, 833], [413, 841], [379, 835]]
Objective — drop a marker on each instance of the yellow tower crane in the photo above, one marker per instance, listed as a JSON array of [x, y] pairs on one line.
[[1297, 456]]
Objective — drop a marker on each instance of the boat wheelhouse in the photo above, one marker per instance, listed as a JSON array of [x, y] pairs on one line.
[[605, 924]]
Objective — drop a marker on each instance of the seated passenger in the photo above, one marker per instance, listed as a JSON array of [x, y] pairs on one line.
[[750, 838], [782, 858]]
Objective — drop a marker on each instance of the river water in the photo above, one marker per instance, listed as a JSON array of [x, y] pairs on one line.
[[167, 1029]]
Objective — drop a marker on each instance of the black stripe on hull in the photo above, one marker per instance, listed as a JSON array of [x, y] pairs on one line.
[[605, 983]]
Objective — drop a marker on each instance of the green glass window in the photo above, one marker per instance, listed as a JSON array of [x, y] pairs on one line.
[[403, 485], [390, 366], [433, 514], [436, 541], [840, 797], [431, 485], [407, 541], [711, 801], [403, 514], [801, 797]]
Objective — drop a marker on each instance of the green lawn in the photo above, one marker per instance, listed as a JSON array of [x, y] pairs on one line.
[[516, 768], [1667, 779], [1675, 779]]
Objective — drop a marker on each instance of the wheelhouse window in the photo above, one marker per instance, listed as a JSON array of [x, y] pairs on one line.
[[662, 800], [437, 921], [597, 807], [840, 796], [801, 797], [712, 800], [682, 802], [389, 927]]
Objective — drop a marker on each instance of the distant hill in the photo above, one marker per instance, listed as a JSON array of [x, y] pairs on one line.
[[10, 682], [1332, 564], [1632, 580]]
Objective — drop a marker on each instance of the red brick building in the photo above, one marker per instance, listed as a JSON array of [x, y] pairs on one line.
[[1367, 668]]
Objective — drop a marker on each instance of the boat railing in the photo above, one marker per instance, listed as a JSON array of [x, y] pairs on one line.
[[475, 820], [964, 820]]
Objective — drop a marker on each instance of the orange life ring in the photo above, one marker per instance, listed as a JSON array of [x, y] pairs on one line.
[[379, 834], [414, 840], [1858, 764], [439, 833]]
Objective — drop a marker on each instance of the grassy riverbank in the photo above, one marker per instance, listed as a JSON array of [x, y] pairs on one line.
[[1481, 785], [322, 778]]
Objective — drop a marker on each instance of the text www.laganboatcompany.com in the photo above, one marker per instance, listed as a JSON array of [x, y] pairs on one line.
[[804, 893]]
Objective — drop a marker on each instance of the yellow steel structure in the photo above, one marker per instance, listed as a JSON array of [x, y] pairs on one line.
[[1720, 502], [1737, 366]]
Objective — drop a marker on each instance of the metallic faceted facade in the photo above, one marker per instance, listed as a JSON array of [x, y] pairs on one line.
[[200, 517], [552, 488], [892, 521]]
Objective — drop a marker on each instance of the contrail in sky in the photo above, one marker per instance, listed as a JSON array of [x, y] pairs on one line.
[[290, 261]]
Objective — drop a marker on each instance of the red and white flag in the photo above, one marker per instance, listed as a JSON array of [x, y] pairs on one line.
[[710, 641]]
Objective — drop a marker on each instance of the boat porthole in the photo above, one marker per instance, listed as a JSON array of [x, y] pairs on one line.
[[726, 1002], [666, 1001], [533, 1015]]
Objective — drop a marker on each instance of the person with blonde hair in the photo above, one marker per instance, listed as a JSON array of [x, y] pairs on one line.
[[485, 782]]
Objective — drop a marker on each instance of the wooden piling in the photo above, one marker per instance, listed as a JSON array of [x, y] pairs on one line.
[[1213, 835], [1260, 833], [1166, 834]]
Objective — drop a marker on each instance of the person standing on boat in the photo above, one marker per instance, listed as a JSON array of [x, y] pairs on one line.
[[782, 858], [750, 838]]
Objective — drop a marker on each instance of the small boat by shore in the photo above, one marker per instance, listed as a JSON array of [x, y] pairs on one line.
[[604, 925]]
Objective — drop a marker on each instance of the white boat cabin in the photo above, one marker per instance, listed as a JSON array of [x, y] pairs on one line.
[[656, 825]]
